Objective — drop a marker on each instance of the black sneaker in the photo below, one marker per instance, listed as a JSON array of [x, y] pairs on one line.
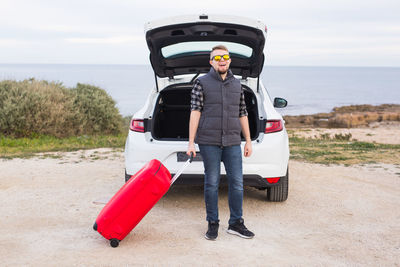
[[212, 232], [239, 229]]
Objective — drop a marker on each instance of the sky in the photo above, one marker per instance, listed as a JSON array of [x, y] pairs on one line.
[[300, 33]]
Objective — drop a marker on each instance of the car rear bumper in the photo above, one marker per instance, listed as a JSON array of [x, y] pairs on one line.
[[253, 180]]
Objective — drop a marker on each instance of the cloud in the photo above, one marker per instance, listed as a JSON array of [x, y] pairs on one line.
[[9, 42], [107, 40], [79, 30], [12, 43]]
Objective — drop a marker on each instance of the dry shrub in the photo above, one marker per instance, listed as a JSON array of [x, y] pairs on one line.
[[306, 120], [339, 121], [370, 117], [391, 116], [343, 137], [361, 119], [321, 123], [30, 107], [346, 117], [346, 121], [299, 121], [366, 108], [354, 108]]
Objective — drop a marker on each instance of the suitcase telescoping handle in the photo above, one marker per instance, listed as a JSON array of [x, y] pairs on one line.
[[179, 172]]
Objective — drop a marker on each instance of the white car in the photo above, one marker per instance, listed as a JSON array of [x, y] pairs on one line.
[[179, 53]]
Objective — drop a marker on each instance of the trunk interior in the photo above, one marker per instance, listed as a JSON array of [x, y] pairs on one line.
[[172, 113]]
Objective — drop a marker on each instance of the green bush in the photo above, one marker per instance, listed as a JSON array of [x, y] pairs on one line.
[[97, 110], [29, 108]]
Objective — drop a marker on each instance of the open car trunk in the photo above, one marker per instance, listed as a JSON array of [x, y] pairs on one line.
[[172, 112]]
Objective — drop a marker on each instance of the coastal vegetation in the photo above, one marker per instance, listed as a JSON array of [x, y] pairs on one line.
[[341, 149], [24, 147], [32, 108], [346, 117]]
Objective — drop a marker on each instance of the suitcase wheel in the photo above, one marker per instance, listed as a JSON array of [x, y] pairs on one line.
[[114, 242], [95, 226]]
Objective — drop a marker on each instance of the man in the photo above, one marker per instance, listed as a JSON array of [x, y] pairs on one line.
[[218, 115]]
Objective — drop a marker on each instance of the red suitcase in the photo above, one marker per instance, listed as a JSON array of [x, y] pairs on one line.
[[133, 200]]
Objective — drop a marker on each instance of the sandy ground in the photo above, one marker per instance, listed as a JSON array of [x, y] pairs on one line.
[[334, 216], [384, 133]]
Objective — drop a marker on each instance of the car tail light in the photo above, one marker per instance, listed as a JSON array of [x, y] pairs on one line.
[[273, 126], [137, 125], [273, 180]]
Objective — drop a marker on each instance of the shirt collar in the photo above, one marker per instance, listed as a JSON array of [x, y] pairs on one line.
[[217, 76]]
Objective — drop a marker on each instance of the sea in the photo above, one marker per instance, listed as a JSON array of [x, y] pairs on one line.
[[308, 90]]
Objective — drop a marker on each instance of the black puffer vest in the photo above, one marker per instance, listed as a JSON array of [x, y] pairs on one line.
[[219, 122]]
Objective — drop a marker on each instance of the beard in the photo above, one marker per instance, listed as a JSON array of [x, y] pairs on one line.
[[222, 72]]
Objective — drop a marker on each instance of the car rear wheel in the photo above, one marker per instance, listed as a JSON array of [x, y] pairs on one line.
[[279, 193]]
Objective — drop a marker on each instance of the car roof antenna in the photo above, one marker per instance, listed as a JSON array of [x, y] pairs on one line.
[[195, 76]]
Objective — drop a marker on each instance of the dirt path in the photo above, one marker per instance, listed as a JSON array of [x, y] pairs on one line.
[[335, 216]]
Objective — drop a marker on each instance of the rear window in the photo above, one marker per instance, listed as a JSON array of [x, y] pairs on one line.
[[185, 48]]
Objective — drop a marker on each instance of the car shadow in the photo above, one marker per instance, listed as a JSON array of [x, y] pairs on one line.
[[197, 191]]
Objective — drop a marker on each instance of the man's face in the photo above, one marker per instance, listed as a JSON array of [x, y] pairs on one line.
[[221, 66]]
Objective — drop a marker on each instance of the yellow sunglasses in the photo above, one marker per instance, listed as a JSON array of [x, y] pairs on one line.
[[218, 58]]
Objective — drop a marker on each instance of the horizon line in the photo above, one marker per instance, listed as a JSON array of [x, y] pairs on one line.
[[148, 65]]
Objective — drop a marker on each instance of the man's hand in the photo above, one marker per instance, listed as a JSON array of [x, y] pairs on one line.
[[247, 149], [191, 149]]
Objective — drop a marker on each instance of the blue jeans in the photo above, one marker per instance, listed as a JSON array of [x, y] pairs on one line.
[[231, 156]]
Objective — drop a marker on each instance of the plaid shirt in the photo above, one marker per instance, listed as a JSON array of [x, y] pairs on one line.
[[197, 100]]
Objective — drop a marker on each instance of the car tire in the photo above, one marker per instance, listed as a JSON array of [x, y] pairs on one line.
[[279, 193]]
